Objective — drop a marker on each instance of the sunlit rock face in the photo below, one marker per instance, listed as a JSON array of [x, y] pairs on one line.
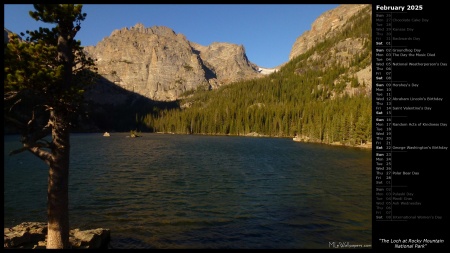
[[161, 65]]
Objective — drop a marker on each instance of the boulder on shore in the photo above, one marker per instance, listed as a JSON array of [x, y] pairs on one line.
[[32, 235]]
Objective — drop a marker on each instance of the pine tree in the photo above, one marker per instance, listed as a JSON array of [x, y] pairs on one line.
[[43, 90]]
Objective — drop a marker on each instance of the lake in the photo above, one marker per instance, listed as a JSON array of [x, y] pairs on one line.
[[192, 191]]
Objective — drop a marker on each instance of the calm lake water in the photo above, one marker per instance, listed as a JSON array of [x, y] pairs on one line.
[[189, 191]]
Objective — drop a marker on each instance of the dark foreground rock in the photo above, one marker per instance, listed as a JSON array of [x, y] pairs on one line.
[[32, 235]]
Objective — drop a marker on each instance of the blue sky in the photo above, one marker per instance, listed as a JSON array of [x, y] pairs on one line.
[[267, 31]]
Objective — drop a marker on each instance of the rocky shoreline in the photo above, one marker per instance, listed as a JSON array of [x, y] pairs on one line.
[[32, 235], [306, 139]]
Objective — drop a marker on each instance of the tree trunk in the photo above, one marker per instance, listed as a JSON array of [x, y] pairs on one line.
[[58, 183]]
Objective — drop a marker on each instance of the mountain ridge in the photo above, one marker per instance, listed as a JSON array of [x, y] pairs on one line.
[[160, 64], [158, 70]]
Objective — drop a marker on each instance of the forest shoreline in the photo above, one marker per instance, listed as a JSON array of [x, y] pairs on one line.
[[367, 145]]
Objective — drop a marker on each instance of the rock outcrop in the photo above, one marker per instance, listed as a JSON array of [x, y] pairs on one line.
[[32, 235], [161, 65], [6, 34], [325, 26]]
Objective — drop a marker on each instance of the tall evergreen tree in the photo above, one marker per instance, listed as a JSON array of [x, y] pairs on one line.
[[43, 89]]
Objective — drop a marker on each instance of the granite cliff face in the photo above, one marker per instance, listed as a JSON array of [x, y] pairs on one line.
[[345, 52], [325, 26], [161, 65], [226, 62]]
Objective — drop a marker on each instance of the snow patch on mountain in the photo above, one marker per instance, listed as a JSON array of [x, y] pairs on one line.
[[266, 71]]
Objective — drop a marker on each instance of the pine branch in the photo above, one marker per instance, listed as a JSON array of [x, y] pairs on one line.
[[46, 156], [36, 149]]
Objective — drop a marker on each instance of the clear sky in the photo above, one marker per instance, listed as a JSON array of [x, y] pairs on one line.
[[267, 31]]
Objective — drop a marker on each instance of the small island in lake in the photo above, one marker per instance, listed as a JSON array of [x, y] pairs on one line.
[[134, 134]]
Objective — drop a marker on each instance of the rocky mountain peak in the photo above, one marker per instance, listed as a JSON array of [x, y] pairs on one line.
[[139, 27], [160, 64]]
